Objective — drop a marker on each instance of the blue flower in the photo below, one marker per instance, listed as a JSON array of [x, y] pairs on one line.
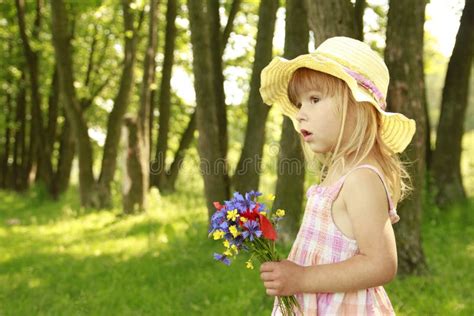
[[222, 258], [250, 195], [243, 204], [253, 230], [218, 221]]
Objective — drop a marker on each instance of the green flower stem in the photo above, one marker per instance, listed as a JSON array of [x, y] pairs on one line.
[[265, 251]]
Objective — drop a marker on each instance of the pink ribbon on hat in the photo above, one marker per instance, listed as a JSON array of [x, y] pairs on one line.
[[369, 85]]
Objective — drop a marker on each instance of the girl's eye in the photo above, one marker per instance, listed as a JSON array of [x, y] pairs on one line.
[[298, 105], [314, 100]]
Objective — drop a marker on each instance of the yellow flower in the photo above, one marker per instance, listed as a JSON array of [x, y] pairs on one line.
[[235, 249], [232, 215], [226, 243], [249, 265], [280, 213], [264, 213], [243, 219], [271, 197], [218, 234], [233, 230], [228, 253]]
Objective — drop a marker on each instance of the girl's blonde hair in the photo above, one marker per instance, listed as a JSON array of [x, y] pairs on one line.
[[364, 138]]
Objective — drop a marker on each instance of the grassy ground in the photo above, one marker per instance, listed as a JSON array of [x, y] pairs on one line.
[[59, 259]]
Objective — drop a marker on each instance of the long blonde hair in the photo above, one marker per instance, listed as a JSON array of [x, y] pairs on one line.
[[364, 138]]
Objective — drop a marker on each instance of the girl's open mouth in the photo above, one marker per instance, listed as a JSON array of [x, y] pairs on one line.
[[306, 134]]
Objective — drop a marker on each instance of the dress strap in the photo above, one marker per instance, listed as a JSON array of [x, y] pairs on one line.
[[338, 185]]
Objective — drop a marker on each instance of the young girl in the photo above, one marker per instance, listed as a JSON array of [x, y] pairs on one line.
[[345, 249]]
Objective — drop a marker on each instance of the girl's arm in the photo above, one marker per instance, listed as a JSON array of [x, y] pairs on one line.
[[376, 264]]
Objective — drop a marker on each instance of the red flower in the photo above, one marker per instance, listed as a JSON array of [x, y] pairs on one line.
[[218, 206], [267, 228]]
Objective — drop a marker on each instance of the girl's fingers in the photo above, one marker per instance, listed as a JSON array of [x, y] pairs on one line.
[[270, 285], [272, 292], [266, 276], [266, 266]]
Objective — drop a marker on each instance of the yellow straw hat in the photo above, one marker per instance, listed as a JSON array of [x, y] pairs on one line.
[[357, 65]]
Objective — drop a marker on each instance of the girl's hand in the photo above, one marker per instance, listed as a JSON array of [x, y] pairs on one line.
[[281, 278]]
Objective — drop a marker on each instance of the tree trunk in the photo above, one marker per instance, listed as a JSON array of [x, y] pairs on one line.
[[291, 161], [213, 166], [115, 121], [328, 18], [133, 189], [247, 175], [447, 155], [5, 181], [158, 178], [51, 128], [186, 140], [404, 58], [359, 9], [62, 48], [65, 158], [234, 9], [43, 146], [139, 141], [19, 172], [218, 77]]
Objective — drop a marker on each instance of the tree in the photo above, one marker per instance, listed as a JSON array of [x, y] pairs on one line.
[[158, 176], [359, 8], [40, 144], [328, 18], [404, 59], [247, 174], [121, 101], [134, 198], [446, 163], [213, 164], [93, 194], [62, 48]]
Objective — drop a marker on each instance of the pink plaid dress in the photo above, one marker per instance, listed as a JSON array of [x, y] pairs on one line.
[[319, 241]]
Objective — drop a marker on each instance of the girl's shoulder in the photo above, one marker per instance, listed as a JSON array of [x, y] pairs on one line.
[[365, 185], [364, 178]]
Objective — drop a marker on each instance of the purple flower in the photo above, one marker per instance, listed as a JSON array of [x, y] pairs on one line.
[[252, 230], [250, 195], [222, 258], [244, 204], [218, 221]]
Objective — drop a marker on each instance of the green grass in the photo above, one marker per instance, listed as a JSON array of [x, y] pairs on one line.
[[60, 259]]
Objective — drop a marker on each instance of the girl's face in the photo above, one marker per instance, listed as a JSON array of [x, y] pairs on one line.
[[318, 120]]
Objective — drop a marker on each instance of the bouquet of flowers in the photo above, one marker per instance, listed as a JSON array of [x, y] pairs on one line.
[[243, 223]]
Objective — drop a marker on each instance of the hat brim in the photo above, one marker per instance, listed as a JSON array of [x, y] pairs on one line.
[[397, 129]]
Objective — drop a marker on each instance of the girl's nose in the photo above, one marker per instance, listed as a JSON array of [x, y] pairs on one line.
[[301, 116]]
